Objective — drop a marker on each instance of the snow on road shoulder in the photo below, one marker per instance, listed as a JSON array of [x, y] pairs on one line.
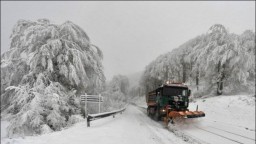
[[228, 120], [236, 110], [139, 101], [4, 125], [131, 127]]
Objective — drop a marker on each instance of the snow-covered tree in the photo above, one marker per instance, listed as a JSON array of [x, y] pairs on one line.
[[214, 61], [46, 67], [115, 95], [212, 56]]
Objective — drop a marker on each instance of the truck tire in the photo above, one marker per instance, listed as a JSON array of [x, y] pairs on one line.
[[157, 116], [148, 113]]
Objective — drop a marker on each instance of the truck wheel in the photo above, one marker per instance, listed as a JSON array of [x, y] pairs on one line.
[[156, 116], [148, 113]]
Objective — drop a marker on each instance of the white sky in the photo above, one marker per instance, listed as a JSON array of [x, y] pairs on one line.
[[131, 34]]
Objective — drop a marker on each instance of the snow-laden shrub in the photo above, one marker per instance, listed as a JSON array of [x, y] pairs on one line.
[[114, 100], [46, 69], [45, 129], [74, 119], [115, 95]]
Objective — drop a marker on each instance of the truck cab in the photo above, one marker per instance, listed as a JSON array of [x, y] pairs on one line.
[[175, 96]]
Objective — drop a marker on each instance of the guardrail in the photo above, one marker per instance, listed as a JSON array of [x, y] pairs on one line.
[[92, 117]]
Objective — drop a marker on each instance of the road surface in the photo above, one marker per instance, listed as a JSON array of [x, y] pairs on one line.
[[131, 127], [135, 127]]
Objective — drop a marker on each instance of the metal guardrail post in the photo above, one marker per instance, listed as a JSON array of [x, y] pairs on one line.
[[85, 106], [88, 121], [99, 101]]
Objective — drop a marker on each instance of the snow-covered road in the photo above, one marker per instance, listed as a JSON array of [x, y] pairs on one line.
[[229, 120], [132, 127]]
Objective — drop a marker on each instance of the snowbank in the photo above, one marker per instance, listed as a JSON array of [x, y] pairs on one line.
[[4, 125], [236, 110], [139, 101]]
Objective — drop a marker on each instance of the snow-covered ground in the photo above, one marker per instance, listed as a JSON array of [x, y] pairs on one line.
[[132, 127], [4, 125], [236, 110], [229, 119]]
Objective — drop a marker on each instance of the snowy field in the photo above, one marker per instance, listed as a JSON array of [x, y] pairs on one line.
[[229, 120]]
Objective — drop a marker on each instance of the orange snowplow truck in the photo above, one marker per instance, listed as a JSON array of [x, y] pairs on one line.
[[170, 101]]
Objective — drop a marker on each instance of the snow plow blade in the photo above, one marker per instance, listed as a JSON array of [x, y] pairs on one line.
[[186, 114]]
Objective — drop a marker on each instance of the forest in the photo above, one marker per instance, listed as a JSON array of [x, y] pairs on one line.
[[214, 63], [49, 66]]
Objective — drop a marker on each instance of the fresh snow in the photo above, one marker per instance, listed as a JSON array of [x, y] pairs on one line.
[[4, 125], [229, 120], [237, 110], [131, 127]]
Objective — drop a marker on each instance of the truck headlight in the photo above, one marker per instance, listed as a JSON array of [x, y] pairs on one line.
[[175, 98]]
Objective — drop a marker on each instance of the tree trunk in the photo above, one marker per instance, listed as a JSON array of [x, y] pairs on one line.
[[220, 87], [166, 77], [184, 73], [220, 79], [197, 79]]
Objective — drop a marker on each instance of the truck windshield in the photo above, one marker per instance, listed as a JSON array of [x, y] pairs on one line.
[[175, 91]]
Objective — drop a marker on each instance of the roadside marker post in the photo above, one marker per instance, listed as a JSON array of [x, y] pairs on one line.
[[91, 99], [99, 102]]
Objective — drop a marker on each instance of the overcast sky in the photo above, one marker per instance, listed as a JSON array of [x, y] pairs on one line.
[[131, 34]]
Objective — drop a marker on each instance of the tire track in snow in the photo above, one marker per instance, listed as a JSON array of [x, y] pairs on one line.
[[159, 136], [153, 135], [219, 135], [194, 140], [246, 128], [185, 137], [233, 133]]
